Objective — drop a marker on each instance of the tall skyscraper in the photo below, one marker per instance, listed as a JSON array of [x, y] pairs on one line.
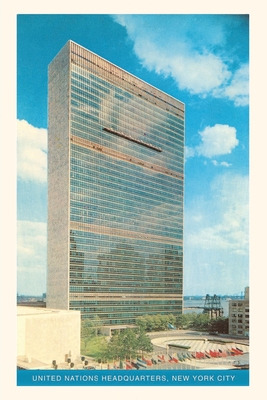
[[115, 191]]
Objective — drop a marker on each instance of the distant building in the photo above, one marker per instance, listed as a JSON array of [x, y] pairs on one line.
[[239, 316], [46, 335], [31, 301], [115, 192]]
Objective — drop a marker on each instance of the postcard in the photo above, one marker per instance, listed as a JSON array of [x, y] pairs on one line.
[[133, 200]]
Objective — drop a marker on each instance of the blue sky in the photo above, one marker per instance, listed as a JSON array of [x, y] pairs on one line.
[[201, 60]]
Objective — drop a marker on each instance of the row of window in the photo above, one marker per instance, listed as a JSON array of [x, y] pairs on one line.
[[84, 126], [88, 78], [240, 304], [108, 193], [142, 225], [125, 113], [128, 208], [126, 211], [119, 309], [98, 162], [123, 289], [85, 194], [89, 130], [95, 262], [123, 274], [105, 194], [165, 233], [119, 189], [121, 319], [92, 172], [127, 275], [97, 179], [115, 314], [127, 246], [171, 158], [234, 327], [111, 249], [126, 303], [141, 218], [135, 104], [114, 257]]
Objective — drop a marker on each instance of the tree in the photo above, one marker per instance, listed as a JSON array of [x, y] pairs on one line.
[[141, 322], [123, 345], [182, 321], [149, 323], [219, 325], [89, 327], [201, 322], [171, 319], [127, 343], [143, 342], [156, 322], [92, 344]]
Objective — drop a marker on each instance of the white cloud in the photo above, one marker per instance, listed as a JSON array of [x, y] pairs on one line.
[[189, 152], [221, 164], [31, 256], [216, 140], [216, 237], [31, 241], [238, 88], [225, 214], [197, 73], [31, 152], [192, 57]]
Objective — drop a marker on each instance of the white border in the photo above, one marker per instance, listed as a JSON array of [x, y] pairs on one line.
[[258, 192]]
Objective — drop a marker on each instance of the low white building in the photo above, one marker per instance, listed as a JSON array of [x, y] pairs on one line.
[[47, 335]]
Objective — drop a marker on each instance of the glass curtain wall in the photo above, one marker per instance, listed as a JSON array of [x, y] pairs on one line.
[[126, 201]]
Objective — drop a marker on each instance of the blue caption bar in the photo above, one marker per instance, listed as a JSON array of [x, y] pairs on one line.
[[132, 378]]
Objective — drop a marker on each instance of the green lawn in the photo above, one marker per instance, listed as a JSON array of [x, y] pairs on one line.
[[94, 346]]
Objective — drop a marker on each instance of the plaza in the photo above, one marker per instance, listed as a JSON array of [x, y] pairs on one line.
[[194, 350]]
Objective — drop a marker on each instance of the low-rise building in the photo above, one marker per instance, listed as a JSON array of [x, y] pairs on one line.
[[47, 336], [239, 316]]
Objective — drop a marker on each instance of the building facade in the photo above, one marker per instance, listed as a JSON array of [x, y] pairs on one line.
[[115, 191], [44, 335], [239, 316]]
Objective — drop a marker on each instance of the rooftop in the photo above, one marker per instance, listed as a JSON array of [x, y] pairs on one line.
[[24, 311]]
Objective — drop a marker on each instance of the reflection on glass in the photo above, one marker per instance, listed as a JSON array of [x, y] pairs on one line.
[[126, 202]]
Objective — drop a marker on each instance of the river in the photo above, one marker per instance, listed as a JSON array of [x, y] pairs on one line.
[[200, 303]]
